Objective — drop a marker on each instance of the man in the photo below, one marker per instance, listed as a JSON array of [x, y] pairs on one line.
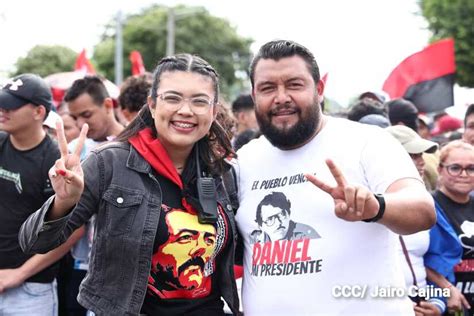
[[273, 219], [89, 102], [468, 135], [26, 153], [133, 94], [181, 264], [243, 109], [330, 169]]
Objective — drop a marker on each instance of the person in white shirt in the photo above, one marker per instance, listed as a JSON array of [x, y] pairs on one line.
[[352, 183]]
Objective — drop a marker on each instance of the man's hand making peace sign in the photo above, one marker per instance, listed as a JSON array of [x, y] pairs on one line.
[[352, 203], [404, 209]]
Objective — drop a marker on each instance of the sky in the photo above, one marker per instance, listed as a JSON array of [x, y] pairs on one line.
[[358, 43]]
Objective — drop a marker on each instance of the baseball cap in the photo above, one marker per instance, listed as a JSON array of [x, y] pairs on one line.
[[445, 124], [24, 89], [401, 109], [411, 141]]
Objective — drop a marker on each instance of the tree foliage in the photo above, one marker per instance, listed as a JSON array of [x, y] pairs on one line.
[[45, 60], [454, 18], [196, 32]]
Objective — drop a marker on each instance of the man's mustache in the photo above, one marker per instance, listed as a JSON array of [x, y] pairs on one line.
[[286, 106], [196, 261]]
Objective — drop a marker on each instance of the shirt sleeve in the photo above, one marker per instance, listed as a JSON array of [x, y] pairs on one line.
[[384, 161]]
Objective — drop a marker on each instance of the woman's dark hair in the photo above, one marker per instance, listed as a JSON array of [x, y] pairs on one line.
[[215, 147]]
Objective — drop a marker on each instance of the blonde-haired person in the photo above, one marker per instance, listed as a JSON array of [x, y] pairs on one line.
[[455, 183]]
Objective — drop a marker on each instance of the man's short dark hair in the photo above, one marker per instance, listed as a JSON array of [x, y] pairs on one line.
[[279, 49], [134, 92], [469, 111], [91, 85], [365, 107], [276, 199], [244, 102]]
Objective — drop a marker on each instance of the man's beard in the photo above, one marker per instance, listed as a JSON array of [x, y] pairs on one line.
[[170, 281], [295, 136]]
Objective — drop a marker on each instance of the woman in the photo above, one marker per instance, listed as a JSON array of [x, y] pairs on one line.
[[455, 182], [162, 245]]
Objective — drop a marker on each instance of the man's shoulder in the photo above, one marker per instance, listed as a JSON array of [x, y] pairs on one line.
[[112, 148], [254, 147], [348, 127]]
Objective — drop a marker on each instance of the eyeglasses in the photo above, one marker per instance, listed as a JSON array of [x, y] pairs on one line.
[[272, 219], [456, 169], [174, 102]]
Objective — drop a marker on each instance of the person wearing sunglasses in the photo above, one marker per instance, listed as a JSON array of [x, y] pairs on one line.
[[456, 182], [164, 232]]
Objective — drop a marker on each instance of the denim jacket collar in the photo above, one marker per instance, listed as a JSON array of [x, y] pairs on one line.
[[136, 162]]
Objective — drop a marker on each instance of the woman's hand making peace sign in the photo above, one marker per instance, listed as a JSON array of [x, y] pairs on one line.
[[66, 174]]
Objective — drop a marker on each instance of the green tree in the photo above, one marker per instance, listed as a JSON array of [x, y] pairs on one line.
[[454, 18], [200, 33], [45, 60]]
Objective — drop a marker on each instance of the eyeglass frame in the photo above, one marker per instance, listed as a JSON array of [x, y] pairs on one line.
[[462, 168], [281, 216], [182, 100]]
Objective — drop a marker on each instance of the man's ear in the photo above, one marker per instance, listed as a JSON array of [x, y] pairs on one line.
[[109, 104], [320, 90], [40, 112]]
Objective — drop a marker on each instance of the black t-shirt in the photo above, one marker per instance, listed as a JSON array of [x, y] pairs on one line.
[[24, 187], [461, 217], [183, 280]]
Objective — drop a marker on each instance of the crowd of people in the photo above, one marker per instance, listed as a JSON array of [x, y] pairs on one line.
[[154, 203]]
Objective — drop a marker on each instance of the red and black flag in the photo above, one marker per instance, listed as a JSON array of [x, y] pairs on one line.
[[426, 78]]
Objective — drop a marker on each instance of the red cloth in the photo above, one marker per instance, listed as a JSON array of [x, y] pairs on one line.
[[156, 155], [238, 271], [83, 64]]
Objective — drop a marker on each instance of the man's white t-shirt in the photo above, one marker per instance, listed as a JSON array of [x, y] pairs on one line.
[[304, 272]]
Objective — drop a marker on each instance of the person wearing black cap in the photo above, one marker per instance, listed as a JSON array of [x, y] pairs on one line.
[[26, 154], [403, 112]]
